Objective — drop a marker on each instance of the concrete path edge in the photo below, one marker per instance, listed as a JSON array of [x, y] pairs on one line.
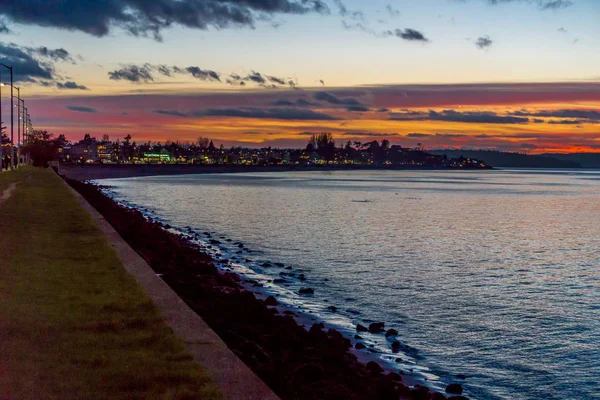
[[235, 379]]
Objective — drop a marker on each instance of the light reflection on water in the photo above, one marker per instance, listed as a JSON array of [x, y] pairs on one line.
[[491, 274]]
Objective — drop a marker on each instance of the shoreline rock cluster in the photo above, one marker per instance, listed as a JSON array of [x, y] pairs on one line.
[[295, 362]]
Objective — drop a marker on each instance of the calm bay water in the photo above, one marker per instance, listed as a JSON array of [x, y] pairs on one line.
[[490, 274]]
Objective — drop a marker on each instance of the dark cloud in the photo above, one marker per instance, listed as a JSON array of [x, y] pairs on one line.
[[145, 73], [267, 81], [393, 12], [333, 99], [591, 115], [417, 135], [407, 34], [276, 80], [204, 75], [264, 113], [304, 103], [345, 12], [82, 109], [283, 103], [568, 122], [411, 35], [484, 42], [133, 73], [383, 110], [322, 82], [289, 103], [483, 117], [70, 85], [53, 54], [357, 108], [26, 66], [407, 115], [555, 4], [562, 30], [149, 17], [257, 78], [172, 113], [542, 4]]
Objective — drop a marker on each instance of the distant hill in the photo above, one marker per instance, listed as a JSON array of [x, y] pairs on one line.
[[512, 160], [586, 160]]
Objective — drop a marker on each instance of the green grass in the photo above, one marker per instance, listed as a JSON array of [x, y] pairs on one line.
[[73, 323], [6, 177]]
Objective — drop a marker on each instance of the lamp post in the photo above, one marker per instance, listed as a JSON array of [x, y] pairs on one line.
[[12, 120], [18, 120], [26, 124], [21, 134], [1, 146]]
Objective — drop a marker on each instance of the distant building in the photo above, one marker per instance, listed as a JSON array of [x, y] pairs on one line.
[[106, 152], [84, 153], [156, 158]]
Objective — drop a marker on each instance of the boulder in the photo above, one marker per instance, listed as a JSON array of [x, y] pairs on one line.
[[361, 328], [376, 327], [306, 291], [332, 308], [454, 388], [271, 301], [419, 393], [395, 346], [391, 332], [374, 368], [359, 346], [395, 377]]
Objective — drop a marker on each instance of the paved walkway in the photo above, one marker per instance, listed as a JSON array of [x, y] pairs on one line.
[[235, 379], [5, 195]]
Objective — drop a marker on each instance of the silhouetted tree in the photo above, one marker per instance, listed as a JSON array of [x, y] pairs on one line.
[[126, 148], [4, 147], [42, 147], [324, 145], [385, 145], [203, 142], [88, 139]]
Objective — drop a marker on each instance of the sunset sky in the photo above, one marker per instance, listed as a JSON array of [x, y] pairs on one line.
[[521, 75]]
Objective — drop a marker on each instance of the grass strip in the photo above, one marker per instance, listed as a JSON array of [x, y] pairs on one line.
[[73, 323]]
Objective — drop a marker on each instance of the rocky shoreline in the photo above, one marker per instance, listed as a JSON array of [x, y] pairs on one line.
[[297, 363]]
